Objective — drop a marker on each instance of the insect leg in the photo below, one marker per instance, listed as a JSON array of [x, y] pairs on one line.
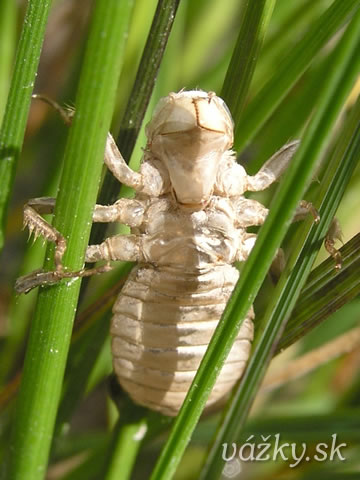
[[334, 233], [303, 210], [249, 212], [66, 113], [247, 244], [33, 220], [273, 168], [36, 278], [119, 247], [36, 224], [42, 205], [113, 158], [152, 179], [277, 266], [278, 263], [125, 210], [118, 167]]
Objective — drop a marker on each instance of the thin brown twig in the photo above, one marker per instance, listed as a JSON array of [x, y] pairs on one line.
[[301, 366]]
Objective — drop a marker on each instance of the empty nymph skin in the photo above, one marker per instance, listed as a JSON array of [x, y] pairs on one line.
[[190, 228], [189, 221]]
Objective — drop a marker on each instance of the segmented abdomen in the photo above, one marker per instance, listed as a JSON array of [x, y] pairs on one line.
[[163, 321]]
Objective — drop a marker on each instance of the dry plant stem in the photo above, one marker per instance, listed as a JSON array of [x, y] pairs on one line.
[[303, 365]]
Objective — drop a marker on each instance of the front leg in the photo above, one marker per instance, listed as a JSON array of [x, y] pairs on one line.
[[119, 168], [273, 168], [152, 179], [232, 179]]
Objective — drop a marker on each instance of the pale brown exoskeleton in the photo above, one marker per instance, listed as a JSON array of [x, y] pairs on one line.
[[189, 223]]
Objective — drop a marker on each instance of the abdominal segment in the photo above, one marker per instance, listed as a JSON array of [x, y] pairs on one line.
[[162, 324]]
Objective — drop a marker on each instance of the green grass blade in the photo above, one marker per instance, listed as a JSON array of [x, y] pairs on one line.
[[345, 67], [127, 438], [239, 74], [8, 12], [51, 328], [265, 102], [17, 108], [328, 289], [81, 360]]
